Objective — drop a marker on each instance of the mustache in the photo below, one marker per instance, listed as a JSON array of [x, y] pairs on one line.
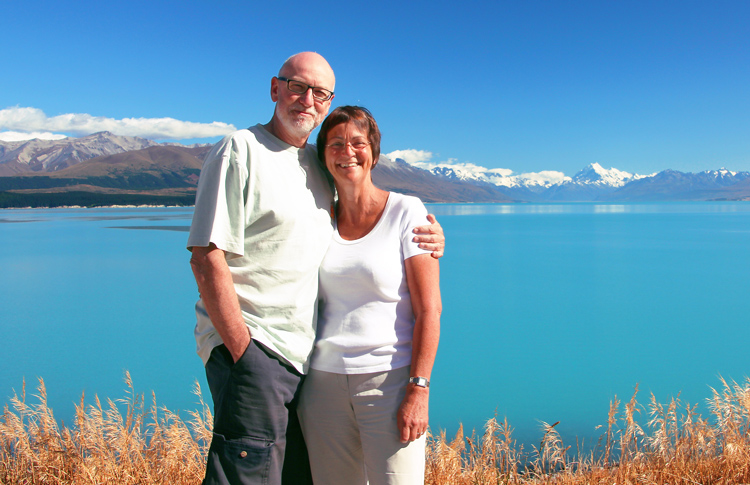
[[303, 109]]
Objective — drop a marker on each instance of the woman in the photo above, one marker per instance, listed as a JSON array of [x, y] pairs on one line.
[[364, 403]]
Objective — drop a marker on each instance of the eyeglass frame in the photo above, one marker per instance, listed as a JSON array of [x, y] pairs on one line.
[[330, 93], [348, 143]]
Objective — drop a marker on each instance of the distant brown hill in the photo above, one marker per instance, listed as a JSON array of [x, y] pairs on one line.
[[155, 160], [162, 174], [169, 173], [157, 167], [105, 169], [399, 176], [53, 155]]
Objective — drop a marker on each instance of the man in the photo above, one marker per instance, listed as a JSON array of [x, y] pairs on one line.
[[261, 226]]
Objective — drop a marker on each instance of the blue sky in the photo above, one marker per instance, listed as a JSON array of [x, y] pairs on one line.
[[526, 86]]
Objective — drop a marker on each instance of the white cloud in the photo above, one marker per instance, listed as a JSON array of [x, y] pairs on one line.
[[80, 124], [464, 167], [421, 159], [545, 177], [411, 156], [18, 136], [502, 172]]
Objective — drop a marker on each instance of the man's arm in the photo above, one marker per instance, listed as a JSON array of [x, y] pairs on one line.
[[217, 292], [431, 237]]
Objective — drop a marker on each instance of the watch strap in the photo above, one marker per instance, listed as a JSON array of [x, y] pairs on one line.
[[420, 381]]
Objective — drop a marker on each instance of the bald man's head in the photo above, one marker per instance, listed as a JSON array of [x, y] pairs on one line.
[[311, 63], [297, 114]]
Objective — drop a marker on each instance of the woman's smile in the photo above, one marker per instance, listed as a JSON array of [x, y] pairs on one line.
[[348, 147]]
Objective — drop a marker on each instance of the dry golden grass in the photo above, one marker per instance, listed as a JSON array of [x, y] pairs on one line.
[[681, 447], [142, 446], [126, 442]]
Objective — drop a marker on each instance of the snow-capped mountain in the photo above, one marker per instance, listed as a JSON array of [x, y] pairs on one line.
[[673, 185], [500, 177], [595, 183], [122, 163], [52, 155], [590, 183], [595, 174], [723, 176]]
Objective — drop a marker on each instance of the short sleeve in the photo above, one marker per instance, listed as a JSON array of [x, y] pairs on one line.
[[219, 215], [414, 214]]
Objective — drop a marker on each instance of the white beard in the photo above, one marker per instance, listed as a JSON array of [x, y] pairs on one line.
[[303, 125], [300, 126]]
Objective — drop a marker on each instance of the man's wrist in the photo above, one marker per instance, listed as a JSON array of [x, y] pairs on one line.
[[240, 346]]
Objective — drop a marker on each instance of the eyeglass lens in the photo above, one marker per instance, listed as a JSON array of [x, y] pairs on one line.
[[298, 87]]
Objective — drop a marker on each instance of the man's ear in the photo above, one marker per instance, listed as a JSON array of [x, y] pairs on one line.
[[274, 89]]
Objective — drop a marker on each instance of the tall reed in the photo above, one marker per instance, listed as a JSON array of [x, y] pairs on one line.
[[678, 446], [127, 442], [122, 442]]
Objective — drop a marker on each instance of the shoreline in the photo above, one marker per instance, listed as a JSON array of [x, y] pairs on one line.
[[126, 206]]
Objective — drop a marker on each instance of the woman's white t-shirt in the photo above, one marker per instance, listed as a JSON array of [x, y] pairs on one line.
[[366, 321]]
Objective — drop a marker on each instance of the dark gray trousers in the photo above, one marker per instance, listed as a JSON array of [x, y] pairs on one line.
[[257, 438]]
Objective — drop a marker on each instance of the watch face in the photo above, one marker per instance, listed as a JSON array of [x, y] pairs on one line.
[[419, 381]]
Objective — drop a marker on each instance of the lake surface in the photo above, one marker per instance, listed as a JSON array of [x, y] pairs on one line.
[[550, 310]]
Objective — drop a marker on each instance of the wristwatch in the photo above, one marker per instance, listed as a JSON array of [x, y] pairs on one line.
[[420, 381]]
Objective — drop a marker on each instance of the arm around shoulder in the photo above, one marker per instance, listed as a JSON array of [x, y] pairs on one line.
[[431, 237]]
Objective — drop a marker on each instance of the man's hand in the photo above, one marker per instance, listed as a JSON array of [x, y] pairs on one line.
[[431, 237]]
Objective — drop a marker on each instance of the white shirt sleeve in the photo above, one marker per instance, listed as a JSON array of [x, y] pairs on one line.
[[219, 215], [414, 214]]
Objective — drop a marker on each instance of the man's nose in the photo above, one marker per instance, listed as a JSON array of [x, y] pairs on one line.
[[307, 97]]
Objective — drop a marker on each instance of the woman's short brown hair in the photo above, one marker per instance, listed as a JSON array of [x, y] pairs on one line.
[[362, 119]]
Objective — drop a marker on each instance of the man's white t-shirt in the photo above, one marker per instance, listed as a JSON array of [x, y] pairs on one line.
[[267, 204], [366, 321]]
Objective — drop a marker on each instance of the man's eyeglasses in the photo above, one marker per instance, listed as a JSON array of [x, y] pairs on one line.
[[298, 87], [357, 146]]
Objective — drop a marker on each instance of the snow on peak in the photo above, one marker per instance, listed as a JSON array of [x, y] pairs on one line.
[[722, 172], [543, 179], [595, 174]]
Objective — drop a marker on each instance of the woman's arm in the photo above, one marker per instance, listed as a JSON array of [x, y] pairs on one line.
[[423, 278]]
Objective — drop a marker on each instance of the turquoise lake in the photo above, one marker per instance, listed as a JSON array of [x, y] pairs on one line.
[[549, 310]]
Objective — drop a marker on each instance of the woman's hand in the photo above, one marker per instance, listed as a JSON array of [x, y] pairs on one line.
[[413, 414]]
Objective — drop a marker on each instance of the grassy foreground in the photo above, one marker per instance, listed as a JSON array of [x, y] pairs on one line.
[[127, 442]]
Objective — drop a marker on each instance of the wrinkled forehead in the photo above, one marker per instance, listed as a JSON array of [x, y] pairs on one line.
[[311, 69], [349, 128]]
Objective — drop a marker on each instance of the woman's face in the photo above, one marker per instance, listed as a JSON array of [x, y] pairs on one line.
[[348, 153]]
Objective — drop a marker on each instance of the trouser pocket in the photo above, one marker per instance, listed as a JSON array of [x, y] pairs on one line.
[[238, 461]]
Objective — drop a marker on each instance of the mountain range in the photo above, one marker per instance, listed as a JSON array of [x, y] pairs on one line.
[[597, 184], [106, 169]]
